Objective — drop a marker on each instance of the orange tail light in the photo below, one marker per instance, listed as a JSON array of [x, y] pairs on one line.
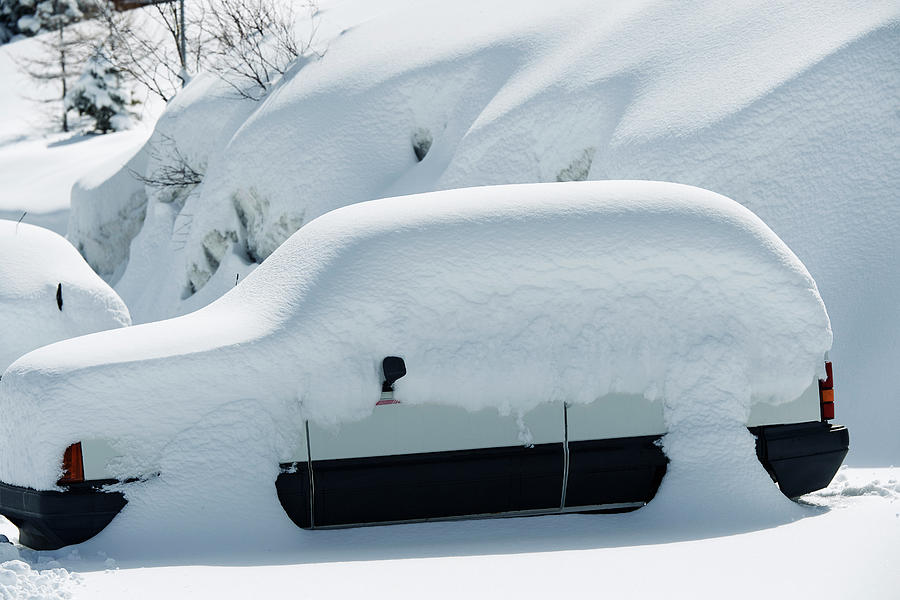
[[826, 393], [73, 465]]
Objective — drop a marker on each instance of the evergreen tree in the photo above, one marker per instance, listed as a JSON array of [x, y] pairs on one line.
[[101, 94], [10, 13], [64, 49], [29, 17]]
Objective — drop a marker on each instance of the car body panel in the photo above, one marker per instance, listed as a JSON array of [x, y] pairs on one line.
[[98, 457], [394, 429], [803, 409], [401, 428], [615, 416]]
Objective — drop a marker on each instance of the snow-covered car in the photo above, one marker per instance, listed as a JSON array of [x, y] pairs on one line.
[[522, 349], [48, 292]]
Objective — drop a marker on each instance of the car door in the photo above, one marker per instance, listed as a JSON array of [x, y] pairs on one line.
[[417, 462], [614, 461]]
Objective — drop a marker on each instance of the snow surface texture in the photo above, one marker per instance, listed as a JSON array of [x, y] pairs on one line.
[[845, 487], [790, 111], [35, 262], [502, 297], [19, 580]]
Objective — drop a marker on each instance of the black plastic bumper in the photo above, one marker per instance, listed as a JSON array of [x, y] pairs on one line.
[[802, 457], [48, 519]]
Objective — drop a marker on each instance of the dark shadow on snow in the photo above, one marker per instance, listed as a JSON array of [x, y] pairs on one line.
[[78, 137], [517, 535]]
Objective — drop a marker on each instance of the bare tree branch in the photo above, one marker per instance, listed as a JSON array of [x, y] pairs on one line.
[[175, 172], [155, 65], [255, 41]]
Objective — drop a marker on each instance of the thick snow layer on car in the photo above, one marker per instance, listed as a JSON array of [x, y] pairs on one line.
[[501, 297], [39, 269]]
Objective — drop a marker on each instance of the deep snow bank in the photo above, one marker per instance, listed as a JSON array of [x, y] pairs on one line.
[[35, 263], [501, 297]]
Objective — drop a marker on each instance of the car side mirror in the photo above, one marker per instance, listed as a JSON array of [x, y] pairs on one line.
[[393, 368]]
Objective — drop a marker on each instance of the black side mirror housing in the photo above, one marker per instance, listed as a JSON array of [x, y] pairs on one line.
[[393, 368]]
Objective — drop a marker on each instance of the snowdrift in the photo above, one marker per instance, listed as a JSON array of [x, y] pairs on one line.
[[38, 271], [502, 297], [791, 112]]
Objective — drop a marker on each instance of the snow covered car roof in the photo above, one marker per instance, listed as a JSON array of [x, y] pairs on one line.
[[505, 297], [48, 292]]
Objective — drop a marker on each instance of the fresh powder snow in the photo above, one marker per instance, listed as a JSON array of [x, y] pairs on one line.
[[503, 297]]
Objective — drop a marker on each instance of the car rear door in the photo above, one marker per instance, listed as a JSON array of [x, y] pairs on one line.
[[614, 460], [416, 462]]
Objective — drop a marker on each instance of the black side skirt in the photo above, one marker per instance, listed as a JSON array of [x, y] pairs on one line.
[[599, 475], [614, 472], [620, 474]]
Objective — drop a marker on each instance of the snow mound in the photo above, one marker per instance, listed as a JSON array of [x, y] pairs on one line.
[[503, 297], [844, 486], [39, 270], [19, 580], [109, 209]]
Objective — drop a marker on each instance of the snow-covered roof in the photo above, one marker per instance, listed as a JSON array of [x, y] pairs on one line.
[[501, 297], [36, 265]]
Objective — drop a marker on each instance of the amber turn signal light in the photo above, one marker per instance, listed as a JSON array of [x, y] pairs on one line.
[[826, 393], [73, 465]]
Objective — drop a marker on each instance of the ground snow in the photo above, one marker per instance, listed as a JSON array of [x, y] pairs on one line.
[[535, 557], [503, 297], [35, 262], [845, 486]]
